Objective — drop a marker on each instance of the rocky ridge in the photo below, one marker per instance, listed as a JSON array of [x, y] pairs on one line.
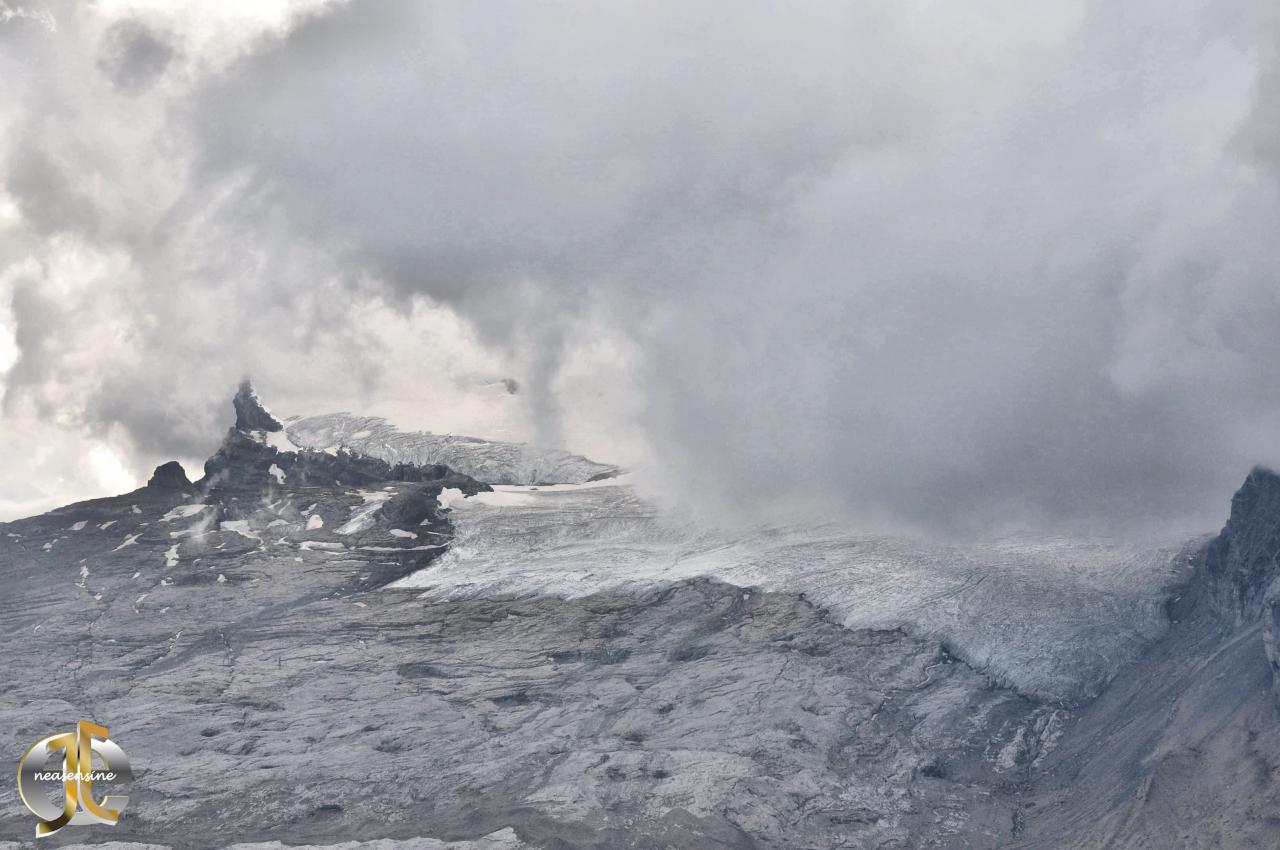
[[1183, 749]]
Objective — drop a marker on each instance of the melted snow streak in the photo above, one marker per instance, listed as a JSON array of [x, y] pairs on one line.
[[1054, 619], [484, 460]]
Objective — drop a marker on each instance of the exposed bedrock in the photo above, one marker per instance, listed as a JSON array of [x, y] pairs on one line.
[[1183, 749], [1243, 562], [248, 460], [242, 461], [169, 476], [251, 414]]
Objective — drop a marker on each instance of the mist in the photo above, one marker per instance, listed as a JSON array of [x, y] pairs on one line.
[[958, 270]]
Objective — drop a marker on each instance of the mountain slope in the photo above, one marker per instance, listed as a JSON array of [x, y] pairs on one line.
[[1183, 750], [450, 665], [238, 632]]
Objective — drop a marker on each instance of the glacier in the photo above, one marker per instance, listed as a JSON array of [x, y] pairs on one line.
[[492, 461], [1052, 618]]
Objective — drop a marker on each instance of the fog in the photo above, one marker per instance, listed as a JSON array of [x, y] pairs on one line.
[[957, 269]]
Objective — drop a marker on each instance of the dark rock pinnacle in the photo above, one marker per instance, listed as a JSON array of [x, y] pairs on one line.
[[169, 476], [1244, 561], [250, 414]]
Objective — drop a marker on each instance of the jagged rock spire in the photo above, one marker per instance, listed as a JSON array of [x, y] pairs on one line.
[[251, 415]]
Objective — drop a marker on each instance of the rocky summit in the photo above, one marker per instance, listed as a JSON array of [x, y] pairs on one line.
[[311, 648], [251, 415]]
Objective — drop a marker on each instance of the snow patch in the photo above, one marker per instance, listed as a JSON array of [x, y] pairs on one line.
[[279, 440], [315, 521], [79, 526], [277, 472], [400, 532], [448, 496], [183, 512], [128, 541], [402, 548], [362, 516], [171, 556], [239, 526], [484, 460]]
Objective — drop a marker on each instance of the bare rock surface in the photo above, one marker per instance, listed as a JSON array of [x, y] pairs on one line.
[[169, 475], [251, 414], [287, 703]]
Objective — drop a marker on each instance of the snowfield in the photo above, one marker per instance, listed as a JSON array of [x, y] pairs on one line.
[[1054, 619], [491, 461]]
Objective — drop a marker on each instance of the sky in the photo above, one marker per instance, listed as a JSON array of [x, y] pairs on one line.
[[955, 269]]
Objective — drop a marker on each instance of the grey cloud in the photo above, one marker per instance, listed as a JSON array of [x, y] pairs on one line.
[[1259, 136], [482, 149], [133, 55], [47, 192], [930, 266]]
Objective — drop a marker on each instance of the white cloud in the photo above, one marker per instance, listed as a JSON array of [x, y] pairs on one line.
[[957, 266]]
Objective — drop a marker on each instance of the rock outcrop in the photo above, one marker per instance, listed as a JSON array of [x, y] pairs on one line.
[[1243, 562], [1183, 749], [251, 414], [247, 459], [169, 476], [243, 460]]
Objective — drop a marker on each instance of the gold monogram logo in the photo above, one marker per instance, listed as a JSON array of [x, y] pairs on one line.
[[76, 776]]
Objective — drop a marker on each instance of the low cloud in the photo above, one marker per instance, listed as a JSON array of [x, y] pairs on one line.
[[958, 270]]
